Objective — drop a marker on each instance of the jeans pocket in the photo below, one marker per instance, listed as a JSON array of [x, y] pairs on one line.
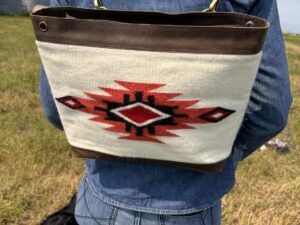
[[195, 218], [189, 214], [89, 209], [210, 216]]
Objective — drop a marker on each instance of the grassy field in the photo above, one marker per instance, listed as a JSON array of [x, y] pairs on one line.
[[38, 174]]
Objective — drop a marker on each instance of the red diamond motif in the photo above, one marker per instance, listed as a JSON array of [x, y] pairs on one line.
[[139, 114]]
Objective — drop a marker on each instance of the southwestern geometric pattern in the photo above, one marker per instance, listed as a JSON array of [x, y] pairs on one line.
[[142, 114]]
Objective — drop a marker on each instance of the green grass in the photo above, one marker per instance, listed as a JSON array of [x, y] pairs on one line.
[[268, 184], [38, 174]]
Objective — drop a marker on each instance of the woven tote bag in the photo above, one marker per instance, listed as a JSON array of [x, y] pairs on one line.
[[149, 86]]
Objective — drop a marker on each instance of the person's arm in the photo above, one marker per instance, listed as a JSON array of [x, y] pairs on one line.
[[271, 99], [46, 96]]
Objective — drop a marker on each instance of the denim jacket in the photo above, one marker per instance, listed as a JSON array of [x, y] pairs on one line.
[[169, 190]]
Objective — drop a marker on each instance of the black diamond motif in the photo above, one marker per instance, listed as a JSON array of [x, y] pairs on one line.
[[70, 102], [216, 114]]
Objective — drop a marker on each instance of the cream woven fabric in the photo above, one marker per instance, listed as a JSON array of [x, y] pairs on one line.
[[209, 94]]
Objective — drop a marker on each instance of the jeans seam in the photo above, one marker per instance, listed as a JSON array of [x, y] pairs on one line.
[[161, 219], [79, 199], [211, 216], [113, 216], [137, 218], [203, 217], [88, 210]]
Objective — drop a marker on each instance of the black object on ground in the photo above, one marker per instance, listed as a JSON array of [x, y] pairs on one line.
[[64, 216]]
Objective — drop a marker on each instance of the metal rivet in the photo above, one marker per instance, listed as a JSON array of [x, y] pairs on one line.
[[249, 23], [43, 26]]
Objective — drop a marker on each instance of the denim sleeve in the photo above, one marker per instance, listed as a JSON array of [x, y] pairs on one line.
[[271, 99], [57, 3], [46, 96]]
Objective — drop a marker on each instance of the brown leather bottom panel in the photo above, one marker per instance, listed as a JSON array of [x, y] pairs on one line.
[[208, 168]]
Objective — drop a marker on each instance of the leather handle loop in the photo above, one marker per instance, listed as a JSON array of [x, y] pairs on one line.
[[212, 7], [99, 4]]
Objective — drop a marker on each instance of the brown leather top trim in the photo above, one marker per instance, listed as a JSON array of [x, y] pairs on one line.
[[208, 168], [194, 32]]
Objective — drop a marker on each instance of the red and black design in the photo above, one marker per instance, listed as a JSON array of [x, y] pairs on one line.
[[143, 114]]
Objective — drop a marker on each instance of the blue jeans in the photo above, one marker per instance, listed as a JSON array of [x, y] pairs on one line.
[[88, 204]]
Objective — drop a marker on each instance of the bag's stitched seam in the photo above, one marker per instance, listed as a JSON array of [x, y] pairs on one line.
[[179, 27], [248, 52], [220, 14], [167, 27]]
